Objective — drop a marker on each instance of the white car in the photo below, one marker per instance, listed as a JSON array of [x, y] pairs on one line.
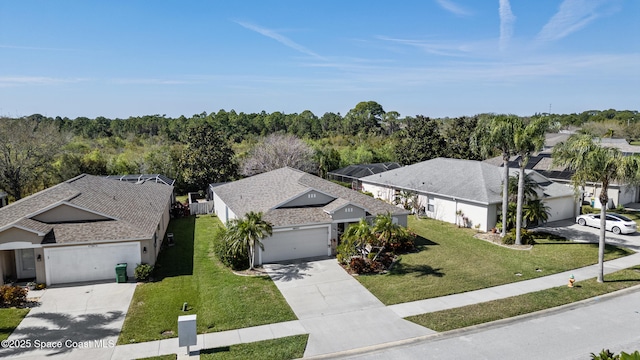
[[615, 223]]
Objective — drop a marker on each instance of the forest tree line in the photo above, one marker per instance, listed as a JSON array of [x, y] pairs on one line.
[[39, 151]]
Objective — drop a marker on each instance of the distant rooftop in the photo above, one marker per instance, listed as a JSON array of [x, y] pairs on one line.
[[141, 178], [353, 172]]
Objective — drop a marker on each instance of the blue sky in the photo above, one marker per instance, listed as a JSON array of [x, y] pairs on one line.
[[430, 57]]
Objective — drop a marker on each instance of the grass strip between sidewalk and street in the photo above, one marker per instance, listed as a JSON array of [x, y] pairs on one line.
[[286, 348], [465, 316]]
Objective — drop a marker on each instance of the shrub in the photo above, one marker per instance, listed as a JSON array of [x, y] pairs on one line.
[[385, 259], [605, 354], [587, 209], [346, 250], [221, 249], [525, 236], [12, 295], [402, 242], [359, 265], [143, 272], [509, 239]]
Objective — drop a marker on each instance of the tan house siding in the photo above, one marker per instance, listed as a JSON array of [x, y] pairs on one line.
[[66, 213], [19, 235]]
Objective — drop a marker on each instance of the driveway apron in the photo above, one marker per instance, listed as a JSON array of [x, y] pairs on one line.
[[337, 311], [75, 322]]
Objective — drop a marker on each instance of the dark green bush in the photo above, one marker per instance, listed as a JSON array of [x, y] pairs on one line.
[[143, 272], [222, 251], [525, 236], [345, 251], [13, 295]]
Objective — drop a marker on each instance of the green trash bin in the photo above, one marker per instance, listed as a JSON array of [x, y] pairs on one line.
[[121, 273]]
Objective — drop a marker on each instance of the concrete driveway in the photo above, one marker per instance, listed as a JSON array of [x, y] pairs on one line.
[[336, 310], [573, 231], [75, 322]]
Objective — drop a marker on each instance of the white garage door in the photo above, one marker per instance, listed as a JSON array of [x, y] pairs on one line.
[[89, 262], [561, 208], [296, 244]]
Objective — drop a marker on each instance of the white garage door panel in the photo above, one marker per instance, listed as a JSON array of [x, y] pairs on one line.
[[560, 209], [296, 244], [89, 263]]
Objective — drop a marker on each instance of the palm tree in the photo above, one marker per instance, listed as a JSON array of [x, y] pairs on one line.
[[497, 133], [531, 188], [593, 163], [247, 233], [361, 234], [527, 139], [535, 211]]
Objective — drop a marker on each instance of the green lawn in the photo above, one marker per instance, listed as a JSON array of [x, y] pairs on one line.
[[451, 261], [162, 357], [188, 272], [523, 304], [286, 348], [9, 320]]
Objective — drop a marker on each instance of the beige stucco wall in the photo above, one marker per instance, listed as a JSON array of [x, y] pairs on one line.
[[19, 235], [41, 276], [66, 213]]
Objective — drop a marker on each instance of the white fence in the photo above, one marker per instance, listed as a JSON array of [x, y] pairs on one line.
[[200, 208]]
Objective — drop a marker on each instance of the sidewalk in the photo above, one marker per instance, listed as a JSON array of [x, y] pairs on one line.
[[290, 328], [209, 341]]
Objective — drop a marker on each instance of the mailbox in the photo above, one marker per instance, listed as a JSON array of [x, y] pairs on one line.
[[187, 335]]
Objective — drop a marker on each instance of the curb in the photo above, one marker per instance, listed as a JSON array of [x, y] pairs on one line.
[[480, 327]]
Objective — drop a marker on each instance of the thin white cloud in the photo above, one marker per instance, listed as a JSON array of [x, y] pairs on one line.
[[453, 7], [278, 37], [572, 16], [152, 81], [507, 19], [7, 81], [15, 47], [435, 48]]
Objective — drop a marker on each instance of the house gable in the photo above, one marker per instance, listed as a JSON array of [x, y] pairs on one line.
[[15, 237], [68, 213], [307, 199], [341, 209]]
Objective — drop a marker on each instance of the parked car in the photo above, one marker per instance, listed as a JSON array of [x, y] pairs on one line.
[[616, 223]]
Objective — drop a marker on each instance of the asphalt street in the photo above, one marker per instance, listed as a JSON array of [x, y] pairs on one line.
[[609, 322]]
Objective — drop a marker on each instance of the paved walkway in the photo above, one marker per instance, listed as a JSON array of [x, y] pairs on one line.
[[331, 325], [336, 310], [70, 318]]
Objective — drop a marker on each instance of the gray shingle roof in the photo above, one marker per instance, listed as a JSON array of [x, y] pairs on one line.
[[136, 208], [357, 171], [463, 179], [264, 192], [470, 180]]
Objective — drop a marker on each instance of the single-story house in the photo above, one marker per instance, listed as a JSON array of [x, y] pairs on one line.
[[308, 213], [80, 229], [542, 163], [447, 188]]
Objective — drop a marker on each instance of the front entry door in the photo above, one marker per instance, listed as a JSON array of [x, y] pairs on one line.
[[25, 264]]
